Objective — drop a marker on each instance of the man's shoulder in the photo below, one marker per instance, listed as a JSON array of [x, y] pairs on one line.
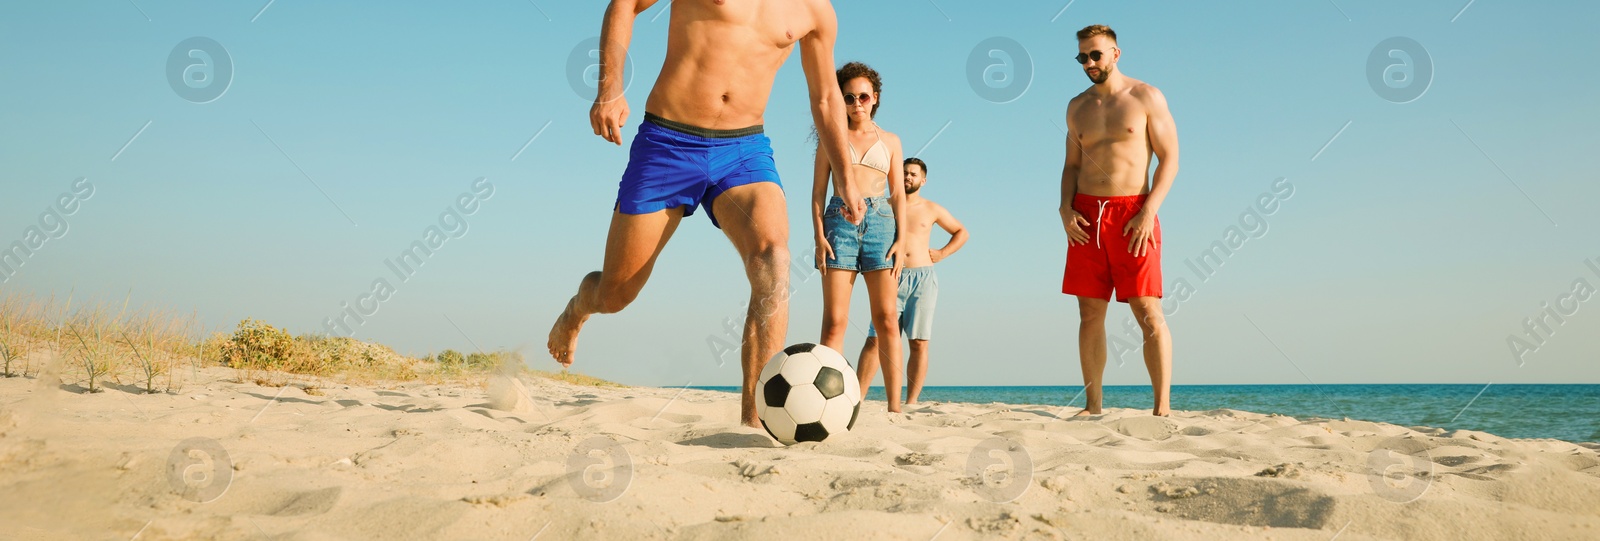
[[1075, 104], [821, 12], [1079, 98], [1146, 92]]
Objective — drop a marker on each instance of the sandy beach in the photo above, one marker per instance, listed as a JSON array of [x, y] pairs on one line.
[[532, 458]]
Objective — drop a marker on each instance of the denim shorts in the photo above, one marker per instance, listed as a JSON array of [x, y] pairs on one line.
[[864, 247]]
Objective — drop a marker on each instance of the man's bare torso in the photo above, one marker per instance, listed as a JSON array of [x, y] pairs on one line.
[[722, 57], [920, 218], [1113, 132]]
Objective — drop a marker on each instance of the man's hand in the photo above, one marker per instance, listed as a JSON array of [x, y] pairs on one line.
[[607, 117], [1075, 223], [1141, 233], [935, 255], [855, 206]]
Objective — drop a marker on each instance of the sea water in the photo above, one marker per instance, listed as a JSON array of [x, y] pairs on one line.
[[1566, 412]]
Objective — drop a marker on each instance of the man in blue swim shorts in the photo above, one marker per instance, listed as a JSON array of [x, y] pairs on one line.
[[701, 144]]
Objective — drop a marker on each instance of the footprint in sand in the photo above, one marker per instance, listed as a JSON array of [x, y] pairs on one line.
[[1146, 428], [313, 502]]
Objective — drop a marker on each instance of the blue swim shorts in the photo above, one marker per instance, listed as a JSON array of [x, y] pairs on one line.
[[672, 164]]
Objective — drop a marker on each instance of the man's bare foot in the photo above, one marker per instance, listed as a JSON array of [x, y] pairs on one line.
[[753, 422], [1086, 413], [564, 335], [1161, 412]]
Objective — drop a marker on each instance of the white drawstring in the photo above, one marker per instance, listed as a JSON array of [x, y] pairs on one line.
[[1097, 218]]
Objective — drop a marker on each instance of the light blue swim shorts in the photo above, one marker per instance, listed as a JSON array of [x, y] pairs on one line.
[[919, 295]]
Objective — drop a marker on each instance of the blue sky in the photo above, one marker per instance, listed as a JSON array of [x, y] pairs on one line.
[[1414, 244]]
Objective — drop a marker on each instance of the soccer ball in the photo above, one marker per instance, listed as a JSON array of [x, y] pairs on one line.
[[807, 392]]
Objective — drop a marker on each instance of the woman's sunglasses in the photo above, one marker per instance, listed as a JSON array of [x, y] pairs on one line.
[[864, 98], [1084, 58]]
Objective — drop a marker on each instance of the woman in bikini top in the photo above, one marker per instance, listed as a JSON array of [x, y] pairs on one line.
[[871, 248]]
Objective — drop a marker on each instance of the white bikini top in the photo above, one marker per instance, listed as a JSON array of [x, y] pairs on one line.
[[877, 156]]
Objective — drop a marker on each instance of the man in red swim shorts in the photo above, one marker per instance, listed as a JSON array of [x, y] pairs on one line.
[[1108, 207]]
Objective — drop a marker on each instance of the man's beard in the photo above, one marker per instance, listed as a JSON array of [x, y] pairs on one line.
[[1105, 73], [911, 189]]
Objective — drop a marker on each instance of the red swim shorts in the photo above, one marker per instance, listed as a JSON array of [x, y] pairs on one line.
[[1104, 264]]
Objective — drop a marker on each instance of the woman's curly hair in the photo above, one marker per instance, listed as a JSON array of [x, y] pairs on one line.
[[853, 70]]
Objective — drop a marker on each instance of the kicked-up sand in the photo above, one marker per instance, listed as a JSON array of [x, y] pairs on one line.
[[532, 458]]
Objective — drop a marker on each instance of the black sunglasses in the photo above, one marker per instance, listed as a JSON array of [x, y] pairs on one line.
[[851, 99], [1084, 58]]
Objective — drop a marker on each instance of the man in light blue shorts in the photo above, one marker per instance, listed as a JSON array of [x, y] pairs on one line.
[[919, 286]]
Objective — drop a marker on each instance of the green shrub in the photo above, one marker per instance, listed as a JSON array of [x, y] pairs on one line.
[[256, 345], [450, 361]]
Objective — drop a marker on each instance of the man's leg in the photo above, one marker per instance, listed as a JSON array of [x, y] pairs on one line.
[[916, 370], [1092, 350], [755, 220], [883, 298], [1157, 349], [632, 246], [869, 355]]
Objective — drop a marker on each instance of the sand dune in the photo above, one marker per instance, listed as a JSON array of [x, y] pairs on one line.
[[533, 458]]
